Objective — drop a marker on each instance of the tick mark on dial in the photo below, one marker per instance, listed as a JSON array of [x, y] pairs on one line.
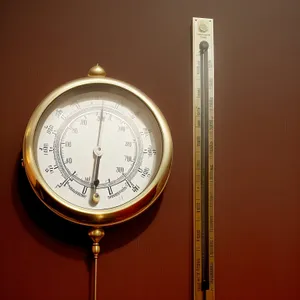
[[65, 182], [127, 181], [84, 190], [110, 191]]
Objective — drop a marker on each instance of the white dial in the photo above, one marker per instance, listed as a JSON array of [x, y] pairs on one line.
[[100, 142]]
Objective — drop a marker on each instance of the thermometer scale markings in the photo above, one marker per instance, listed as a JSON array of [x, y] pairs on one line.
[[203, 159]]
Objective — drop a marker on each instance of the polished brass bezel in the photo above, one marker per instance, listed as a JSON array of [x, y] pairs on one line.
[[91, 217]]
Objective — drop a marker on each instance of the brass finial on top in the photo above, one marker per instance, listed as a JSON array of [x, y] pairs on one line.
[[96, 71]]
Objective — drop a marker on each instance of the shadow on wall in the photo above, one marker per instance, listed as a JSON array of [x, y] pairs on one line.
[[64, 237]]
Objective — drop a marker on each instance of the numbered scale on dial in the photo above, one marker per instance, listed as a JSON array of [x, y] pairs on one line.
[[98, 145]]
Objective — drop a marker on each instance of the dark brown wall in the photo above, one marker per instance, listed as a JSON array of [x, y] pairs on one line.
[[148, 44]]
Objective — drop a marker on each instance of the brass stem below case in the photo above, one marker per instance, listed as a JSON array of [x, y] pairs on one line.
[[96, 234]]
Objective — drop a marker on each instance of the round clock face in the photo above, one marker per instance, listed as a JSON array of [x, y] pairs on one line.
[[97, 146], [94, 141]]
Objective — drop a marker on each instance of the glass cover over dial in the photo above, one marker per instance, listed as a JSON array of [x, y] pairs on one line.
[[97, 146]]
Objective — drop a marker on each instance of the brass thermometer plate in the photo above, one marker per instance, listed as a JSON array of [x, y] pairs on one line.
[[203, 160]]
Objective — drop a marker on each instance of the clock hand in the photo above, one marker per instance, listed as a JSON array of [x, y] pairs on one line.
[[100, 126]]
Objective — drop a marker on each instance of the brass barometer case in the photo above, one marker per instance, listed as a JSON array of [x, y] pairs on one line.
[[97, 151]]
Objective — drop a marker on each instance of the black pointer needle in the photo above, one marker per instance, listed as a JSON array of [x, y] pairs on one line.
[[98, 153]]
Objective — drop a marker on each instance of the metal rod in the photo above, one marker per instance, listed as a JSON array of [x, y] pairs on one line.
[[95, 277], [96, 235]]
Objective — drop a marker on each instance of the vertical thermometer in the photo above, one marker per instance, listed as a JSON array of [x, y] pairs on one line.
[[203, 159]]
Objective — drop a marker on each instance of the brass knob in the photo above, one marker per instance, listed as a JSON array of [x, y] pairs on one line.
[[96, 71]]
